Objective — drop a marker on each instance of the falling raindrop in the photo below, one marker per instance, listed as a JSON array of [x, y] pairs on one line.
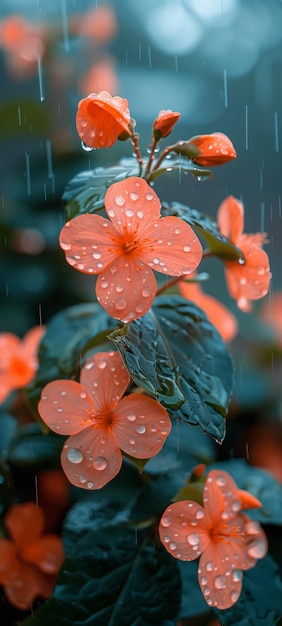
[[40, 77], [225, 92], [276, 132], [86, 147], [65, 25], [247, 126]]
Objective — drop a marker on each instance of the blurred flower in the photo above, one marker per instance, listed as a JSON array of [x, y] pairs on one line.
[[18, 360], [101, 76], [226, 540], [101, 118], [223, 320], [215, 149], [100, 421], [124, 250], [53, 496], [248, 279], [29, 560], [164, 123], [23, 43], [271, 314], [98, 24]]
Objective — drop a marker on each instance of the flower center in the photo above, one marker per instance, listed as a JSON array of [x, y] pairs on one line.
[[129, 246]]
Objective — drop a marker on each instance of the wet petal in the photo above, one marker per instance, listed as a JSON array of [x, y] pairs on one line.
[[27, 585], [126, 289], [91, 458], [172, 247], [46, 553], [106, 378], [101, 118], [8, 560], [141, 426], [89, 243], [219, 578], [183, 530], [230, 218], [131, 205], [215, 149], [66, 406], [24, 523], [255, 540], [31, 342], [248, 501], [220, 496]]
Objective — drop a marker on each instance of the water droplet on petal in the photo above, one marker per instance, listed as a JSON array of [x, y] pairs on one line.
[[140, 214], [86, 147], [120, 201], [220, 582], [221, 481], [129, 213], [193, 539], [141, 430], [234, 595], [120, 304], [166, 521], [111, 213], [146, 292], [203, 580], [209, 566], [187, 248], [131, 416], [149, 196], [65, 246], [237, 575], [134, 196], [257, 548], [100, 463], [75, 455], [200, 514], [102, 364]]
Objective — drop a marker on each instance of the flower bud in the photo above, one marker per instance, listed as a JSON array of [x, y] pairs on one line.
[[215, 149], [164, 123]]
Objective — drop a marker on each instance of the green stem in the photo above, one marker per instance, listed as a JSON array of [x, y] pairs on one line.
[[135, 141], [151, 157]]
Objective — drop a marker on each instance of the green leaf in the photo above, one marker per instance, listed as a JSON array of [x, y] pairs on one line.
[[30, 448], [114, 577], [260, 603], [177, 356], [172, 164], [69, 336], [217, 244], [85, 192]]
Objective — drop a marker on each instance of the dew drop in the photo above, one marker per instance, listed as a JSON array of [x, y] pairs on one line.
[[140, 214], [65, 246], [120, 304], [141, 430], [177, 231], [193, 539], [120, 201], [100, 463], [134, 196], [149, 196], [146, 292], [203, 580], [104, 284], [220, 582], [86, 147], [131, 416], [209, 566], [140, 308], [256, 548], [75, 455], [83, 394], [221, 481], [200, 514], [119, 288], [166, 521], [102, 364], [237, 575], [173, 546], [236, 506], [90, 485], [234, 595], [187, 248], [111, 213], [129, 213]]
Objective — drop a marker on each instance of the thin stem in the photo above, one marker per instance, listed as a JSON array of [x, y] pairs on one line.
[[151, 157], [135, 141]]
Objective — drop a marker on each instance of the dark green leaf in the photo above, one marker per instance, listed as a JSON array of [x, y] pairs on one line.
[[172, 164], [69, 336], [32, 449], [217, 244], [260, 603], [6, 488], [112, 578], [177, 356], [8, 429], [85, 192]]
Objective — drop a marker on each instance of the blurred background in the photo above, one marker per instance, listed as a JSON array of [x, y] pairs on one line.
[[219, 63]]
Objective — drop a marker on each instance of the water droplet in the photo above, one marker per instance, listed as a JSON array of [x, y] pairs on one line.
[[102, 363], [165, 521], [149, 196], [140, 308], [187, 248], [173, 546], [237, 575], [203, 580], [146, 292], [256, 548], [75, 455], [86, 147], [236, 506], [200, 514], [141, 430], [221, 481], [220, 582], [111, 213], [260, 270], [120, 201], [104, 284], [83, 394], [209, 566], [121, 304], [241, 262], [177, 231], [65, 246], [90, 485], [129, 213], [193, 539], [140, 214], [96, 255], [234, 595], [131, 416], [100, 463], [134, 196]]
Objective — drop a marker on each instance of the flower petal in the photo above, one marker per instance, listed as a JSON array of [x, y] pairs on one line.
[[24, 523], [131, 205], [172, 247], [106, 378], [219, 579], [215, 149], [8, 560], [27, 585], [65, 406], [183, 530], [141, 426], [220, 497], [101, 118], [46, 553], [91, 458], [31, 342], [230, 218], [89, 243], [126, 289], [249, 281]]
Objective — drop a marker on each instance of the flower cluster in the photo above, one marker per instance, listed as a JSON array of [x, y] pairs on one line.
[[226, 539]]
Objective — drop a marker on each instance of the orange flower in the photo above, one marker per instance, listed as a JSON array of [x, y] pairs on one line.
[[226, 539], [101, 118], [271, 315], [248, 279], [124, 251], [100, 421], [164, 123], [215, 149], [101, 75], [217, 313], [18, 360], [98, 24], [23, 43], [29, 560]]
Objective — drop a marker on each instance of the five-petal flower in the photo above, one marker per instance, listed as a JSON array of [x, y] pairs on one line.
[[101, 422], [226, 539], [249, 279], [101, 118], [18, 360], [123, 251], [29, 559]]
